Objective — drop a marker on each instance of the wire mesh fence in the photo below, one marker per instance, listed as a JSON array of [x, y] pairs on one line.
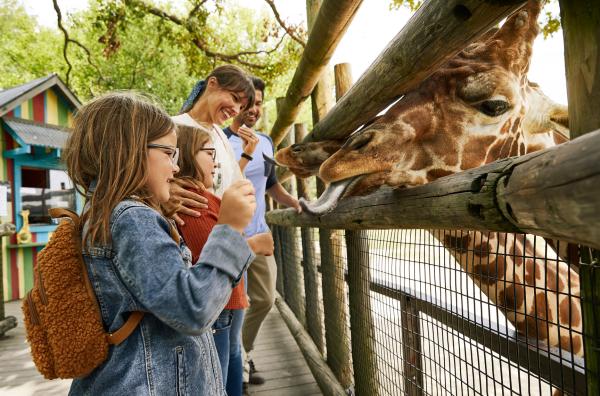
[[437, 312]]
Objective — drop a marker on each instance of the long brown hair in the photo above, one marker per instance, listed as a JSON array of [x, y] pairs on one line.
[[190, 140], [106, 154]]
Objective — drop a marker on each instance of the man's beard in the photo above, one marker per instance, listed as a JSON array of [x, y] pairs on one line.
[[249, 124]]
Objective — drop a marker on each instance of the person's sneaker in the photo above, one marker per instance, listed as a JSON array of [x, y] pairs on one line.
[[255, 379]]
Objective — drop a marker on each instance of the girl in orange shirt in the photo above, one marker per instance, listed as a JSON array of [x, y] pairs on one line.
[[197, 164]]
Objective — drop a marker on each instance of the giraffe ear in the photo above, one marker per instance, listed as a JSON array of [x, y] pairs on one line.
[[514, 41]]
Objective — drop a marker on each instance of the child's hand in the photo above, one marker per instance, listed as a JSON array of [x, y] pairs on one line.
[[238, 205], [262, 243]]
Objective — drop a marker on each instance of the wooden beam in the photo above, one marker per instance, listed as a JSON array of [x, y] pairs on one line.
[[438, 31], [329, 27], [364, 349], [580, 21], [478, 199], [309, 264], [322, 373]]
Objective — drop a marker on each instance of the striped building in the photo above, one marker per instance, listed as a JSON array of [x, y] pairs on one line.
[[34, 122]]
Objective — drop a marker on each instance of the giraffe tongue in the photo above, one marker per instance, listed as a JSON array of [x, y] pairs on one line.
[[328, 200]]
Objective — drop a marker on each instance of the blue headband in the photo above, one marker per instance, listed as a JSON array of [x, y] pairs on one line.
[[196, 91]]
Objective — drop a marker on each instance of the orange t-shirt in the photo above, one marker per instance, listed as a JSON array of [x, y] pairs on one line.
[[195, 234]]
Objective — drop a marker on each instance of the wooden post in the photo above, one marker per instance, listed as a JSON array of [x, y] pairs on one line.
[[309, 265], [276, 230], [580, 21], [289, 253], [328, 29], [332, 270], [432, 36], [364, 353]]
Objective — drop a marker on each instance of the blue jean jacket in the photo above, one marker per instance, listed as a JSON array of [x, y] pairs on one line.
[[172, 351]]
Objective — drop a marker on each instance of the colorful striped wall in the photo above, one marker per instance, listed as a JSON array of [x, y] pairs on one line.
[[48, 107]]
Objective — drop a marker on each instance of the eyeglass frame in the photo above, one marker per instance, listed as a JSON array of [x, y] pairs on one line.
[[214, 151], [174, 157]]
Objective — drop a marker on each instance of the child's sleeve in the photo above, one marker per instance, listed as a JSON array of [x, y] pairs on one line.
[[151, 266]]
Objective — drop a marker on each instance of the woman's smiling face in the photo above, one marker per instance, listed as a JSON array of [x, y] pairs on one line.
[[224, 104]]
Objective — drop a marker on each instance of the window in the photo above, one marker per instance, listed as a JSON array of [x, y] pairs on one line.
[[43, 189]]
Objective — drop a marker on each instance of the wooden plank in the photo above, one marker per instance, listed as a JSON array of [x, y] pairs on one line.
[[323, 375], [438, 31], [332, 21], [18, 375], [491, 197]]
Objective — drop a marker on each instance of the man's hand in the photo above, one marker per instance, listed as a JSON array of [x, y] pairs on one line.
[[249, 139], [262, 244], [189, 200], [294, 203], [238, 205]]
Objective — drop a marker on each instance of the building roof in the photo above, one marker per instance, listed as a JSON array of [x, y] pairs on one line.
[[36, 134], [12, 97]]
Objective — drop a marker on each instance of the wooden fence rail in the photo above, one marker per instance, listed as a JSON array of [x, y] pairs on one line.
[[521, 194], [438, 31]]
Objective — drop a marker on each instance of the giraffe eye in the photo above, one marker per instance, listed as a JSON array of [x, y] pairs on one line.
[[493, 108]]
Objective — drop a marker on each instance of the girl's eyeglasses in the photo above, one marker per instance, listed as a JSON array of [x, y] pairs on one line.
[[171, 151], [212, 151]]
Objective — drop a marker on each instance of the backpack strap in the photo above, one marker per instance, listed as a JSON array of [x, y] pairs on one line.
[[56, 213], [134, 318], [125, 331]]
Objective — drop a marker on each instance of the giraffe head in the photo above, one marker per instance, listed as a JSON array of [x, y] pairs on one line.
[[477, 108], [304, 159]]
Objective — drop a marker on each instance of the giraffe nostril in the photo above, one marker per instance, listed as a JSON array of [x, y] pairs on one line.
[[297, 148]]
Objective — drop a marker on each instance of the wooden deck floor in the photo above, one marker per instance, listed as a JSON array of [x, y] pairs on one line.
[[277, 357]]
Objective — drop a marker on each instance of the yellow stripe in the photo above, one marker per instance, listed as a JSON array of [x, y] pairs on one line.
[[21, 269], [51, 107], [70, 118], [25, 110]]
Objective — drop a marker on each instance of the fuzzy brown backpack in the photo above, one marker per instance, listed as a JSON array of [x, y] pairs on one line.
[[62, 316]]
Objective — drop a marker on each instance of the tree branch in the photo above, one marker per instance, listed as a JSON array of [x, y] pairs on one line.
[[288, 30], [75, 42], [198, 42]]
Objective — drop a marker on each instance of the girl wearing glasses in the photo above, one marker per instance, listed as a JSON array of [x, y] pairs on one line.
[[122, 154], [197, 167]]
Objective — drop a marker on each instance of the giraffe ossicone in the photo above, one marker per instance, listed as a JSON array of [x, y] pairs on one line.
[[479, 107]]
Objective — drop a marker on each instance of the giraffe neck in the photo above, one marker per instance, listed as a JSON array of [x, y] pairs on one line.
[[536, 290]]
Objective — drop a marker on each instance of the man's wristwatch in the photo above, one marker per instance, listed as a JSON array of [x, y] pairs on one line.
[[247, 156]]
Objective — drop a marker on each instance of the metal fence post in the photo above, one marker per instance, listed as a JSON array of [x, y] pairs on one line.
[[411, 346]]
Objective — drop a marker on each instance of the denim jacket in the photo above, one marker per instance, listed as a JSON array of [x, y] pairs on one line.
[[172, 351]]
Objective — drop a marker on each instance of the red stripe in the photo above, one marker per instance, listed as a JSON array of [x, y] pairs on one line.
[[10, 114], [14, 275], [38, 107]]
